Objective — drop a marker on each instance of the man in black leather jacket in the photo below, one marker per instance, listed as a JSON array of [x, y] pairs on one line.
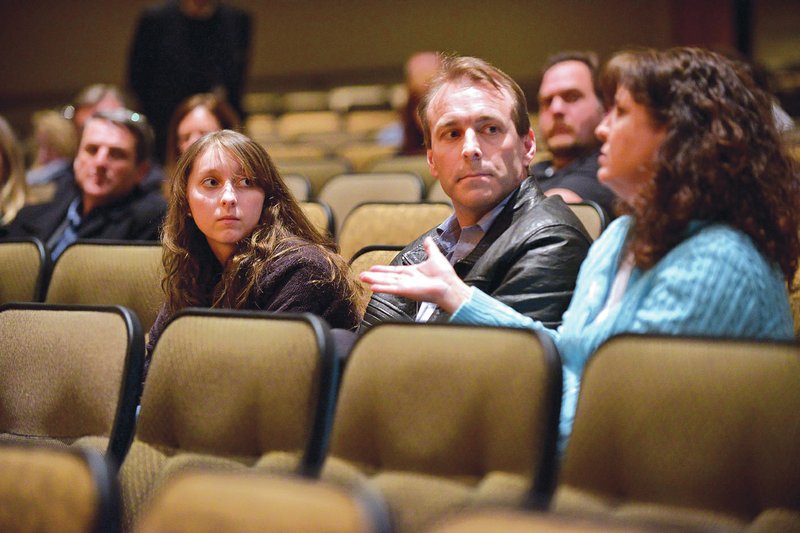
[[505, 236]]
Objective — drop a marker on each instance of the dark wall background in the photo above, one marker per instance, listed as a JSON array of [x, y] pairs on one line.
[[52, 49]]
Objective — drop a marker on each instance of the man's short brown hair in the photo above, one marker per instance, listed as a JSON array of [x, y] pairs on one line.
[[456, 68]]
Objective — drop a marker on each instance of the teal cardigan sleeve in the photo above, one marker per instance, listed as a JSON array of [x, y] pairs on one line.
[[482, 309]]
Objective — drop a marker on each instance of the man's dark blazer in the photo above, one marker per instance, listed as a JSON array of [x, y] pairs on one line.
[[137, 216]]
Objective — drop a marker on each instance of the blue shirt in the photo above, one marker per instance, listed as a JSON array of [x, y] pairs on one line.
[[68, 232], [457, 243]]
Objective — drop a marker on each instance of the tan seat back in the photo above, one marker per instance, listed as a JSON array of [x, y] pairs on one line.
[[320, 216], [366, 257], [209, 501], [439, 416], [346, 191], [295, 125], [705, 425], [68, 372], [592, 216], [376, 223], [45, 488], [23, 266], [318, 169], [416, 164], [110, 273], [226, 389], [437, 194], [299, 186]]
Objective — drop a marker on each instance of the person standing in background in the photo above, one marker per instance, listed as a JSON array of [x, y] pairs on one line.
[[184, 47]]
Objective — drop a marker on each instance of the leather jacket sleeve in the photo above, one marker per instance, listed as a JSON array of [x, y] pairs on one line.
[[536, 277], [388, 307]]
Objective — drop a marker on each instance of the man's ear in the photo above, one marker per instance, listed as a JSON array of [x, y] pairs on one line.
[[529, 143], [431, 164]]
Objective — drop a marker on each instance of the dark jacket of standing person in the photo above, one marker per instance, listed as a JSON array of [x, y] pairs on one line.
[[176, 53]]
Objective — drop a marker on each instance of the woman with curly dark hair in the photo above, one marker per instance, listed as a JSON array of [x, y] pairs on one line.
[[709, 239], [235, 238]]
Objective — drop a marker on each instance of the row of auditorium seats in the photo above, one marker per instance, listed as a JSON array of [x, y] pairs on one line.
[[318, 123], [88, 272], [326, 129], [319, 171], [344, 121], [129, 273], [382, 209], [343, 99], [425, 423]]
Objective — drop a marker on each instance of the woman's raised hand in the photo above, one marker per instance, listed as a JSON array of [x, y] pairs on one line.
[[433, 280]]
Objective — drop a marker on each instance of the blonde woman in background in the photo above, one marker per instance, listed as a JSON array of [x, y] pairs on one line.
[[12, 175], [53, 147]]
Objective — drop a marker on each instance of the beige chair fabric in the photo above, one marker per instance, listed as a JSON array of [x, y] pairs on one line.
[[110, 273], [226, 389], [303, 101], [205, 501], [515, 521], [262, 102], [416, 164], [365, 258], [346, 191], [303, 124], [388, 223], [309, 151], [69, 373], [437, 194], [318, 170], [687, 432], [319, 215], [372, 255], [367, 123], [261, 128], [44, 488], [591, 216], [362, 155], [348, 97], [23, 265], [299, 186], [438, 417]]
